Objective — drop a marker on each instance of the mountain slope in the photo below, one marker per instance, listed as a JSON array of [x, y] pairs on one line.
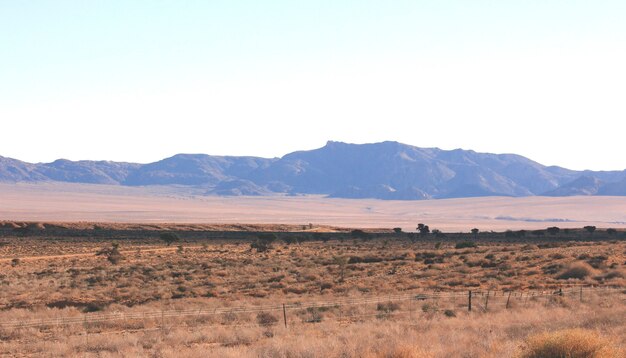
[[386, 170], [194, 169], [584, 185]]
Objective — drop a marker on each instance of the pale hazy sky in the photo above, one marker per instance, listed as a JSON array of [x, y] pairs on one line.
[[142, 80]]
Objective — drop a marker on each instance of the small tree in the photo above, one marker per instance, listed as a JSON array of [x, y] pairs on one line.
[[611, 231], [169, 237], [263, 242], [553, 230], [360, 234], [397, 230], [590, 229], [342, 262], [475, 232], [423, 229]]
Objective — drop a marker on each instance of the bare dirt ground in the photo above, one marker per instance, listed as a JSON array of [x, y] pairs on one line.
[[101, 203]]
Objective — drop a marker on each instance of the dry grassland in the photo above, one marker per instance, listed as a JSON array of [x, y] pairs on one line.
[[377, 292]]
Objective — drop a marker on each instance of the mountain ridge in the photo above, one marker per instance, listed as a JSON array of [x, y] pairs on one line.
[[384, 170]]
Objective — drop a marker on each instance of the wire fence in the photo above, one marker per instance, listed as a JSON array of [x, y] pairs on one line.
[[342, 310]]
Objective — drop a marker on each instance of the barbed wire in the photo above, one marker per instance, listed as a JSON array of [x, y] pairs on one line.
[[162, 314]]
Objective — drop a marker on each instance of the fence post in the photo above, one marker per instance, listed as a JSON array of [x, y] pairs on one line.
[[162, 322], [285, 315], [487, 300], [86, 331], [581, 293], [469, 301], [508, 300]]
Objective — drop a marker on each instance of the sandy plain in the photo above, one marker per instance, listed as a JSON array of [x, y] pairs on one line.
[[103, 203]]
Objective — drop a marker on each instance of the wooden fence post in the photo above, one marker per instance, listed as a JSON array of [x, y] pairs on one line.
[[508, 300], [581, 293], [162, 322], [469, 300], [86, 331], [285, 315], [487, 300]]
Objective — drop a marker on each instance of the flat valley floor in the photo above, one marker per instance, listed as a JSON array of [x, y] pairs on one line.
[[80, 202]]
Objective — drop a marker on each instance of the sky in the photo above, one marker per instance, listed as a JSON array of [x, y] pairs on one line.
[[140, 81]]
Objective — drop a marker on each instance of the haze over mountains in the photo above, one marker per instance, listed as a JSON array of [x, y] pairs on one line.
[[387, 170]]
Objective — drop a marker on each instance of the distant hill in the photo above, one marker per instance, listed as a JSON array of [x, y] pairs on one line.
[[584, 185], [387, 170]]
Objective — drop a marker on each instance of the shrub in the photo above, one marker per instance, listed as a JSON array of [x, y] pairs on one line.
[[538, 232], [571, 343], [387, 307], [169, 237], [290, 240], [266, 319], [590, 229], [465, 244], [613, 274], [553, 230], [577, 270], [111, 253], [325, 286], [359, 234], [264, 242]]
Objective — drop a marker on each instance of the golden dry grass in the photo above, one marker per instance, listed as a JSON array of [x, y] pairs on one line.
[[569, 343], [61, 277]]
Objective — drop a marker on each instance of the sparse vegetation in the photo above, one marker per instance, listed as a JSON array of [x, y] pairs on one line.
[[62, 276]]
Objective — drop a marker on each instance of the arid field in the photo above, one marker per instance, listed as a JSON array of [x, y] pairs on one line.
[[102, 203], [109, 290]]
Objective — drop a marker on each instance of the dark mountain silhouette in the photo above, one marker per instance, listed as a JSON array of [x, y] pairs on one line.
[[387, 170]]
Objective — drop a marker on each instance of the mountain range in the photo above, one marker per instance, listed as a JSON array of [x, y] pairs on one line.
[[386, 170]]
